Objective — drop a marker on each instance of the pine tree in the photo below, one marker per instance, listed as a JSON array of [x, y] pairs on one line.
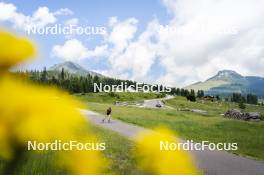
[[62, 74], [44, 75], [241, 105]]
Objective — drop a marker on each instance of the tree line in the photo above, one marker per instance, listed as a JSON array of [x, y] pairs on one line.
[[189, 94], [249, 98], [72, 82], [85, 83]]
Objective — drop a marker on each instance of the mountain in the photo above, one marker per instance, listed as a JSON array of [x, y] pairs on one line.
[[226, 82], [73, 68]]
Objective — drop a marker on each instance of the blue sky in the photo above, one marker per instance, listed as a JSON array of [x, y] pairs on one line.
[[95, 13], [200, 39]]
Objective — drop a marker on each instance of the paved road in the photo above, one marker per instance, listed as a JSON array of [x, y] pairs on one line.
[[211, 162], [153, 102]]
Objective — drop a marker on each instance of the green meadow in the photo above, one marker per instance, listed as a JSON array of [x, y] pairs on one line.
[[119, 153], [211, 126], [110, 98]]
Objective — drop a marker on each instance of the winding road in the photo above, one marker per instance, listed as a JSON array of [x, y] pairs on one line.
[[153, 102]]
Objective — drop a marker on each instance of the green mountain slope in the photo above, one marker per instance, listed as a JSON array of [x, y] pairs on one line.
[[73, 68], [227, 81]]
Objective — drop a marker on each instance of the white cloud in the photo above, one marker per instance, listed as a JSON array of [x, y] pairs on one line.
[[39, 18], [203, 38], [71, 50], [122, 32], [112, 21], [99, 51], [189, 57], [6, 11], [42, 16], [63, 11], [72, 21], [74, 50], [135, 56]]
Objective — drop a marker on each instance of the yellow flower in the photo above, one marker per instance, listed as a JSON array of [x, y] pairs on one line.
[[34, 113], [31, 112], [162, 162], [14, 50], [82, 162]]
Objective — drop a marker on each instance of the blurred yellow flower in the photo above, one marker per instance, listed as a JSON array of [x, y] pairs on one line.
[[13, 50], [159, 162], [81, 162], [35, 113]]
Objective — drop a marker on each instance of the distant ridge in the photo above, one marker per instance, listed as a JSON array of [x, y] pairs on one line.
[[228, 81], [73, 68]]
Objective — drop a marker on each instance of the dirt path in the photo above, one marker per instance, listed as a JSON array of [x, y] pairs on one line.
[[211, 162]]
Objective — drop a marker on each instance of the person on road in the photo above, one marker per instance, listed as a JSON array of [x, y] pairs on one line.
[[108, 115]]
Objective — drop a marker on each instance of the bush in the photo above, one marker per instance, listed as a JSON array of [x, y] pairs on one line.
[[112, 94], [241, 105], [161, 95], [191, 97]]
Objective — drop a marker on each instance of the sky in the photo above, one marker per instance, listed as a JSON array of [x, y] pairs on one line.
[[173, 42]]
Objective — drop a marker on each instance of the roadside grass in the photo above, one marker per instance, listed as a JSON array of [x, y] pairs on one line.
[[195, 126], [118, 151], [104, 97], [213, 108], [35, 164]]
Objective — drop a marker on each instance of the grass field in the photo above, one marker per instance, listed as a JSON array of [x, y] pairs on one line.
[[188, 125], [113, 97], [118, 150]]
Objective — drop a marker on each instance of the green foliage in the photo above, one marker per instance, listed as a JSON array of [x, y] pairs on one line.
[[62, 75], [112, 97], [200, 93], [250, 98], [71, 82], [161, 95], [241, 105], [112, 94], [191, 96], [44, 75], [79, 83], [118, 149]]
